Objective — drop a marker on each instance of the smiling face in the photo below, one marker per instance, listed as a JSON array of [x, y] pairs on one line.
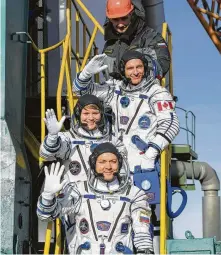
[[90, 116], [134, 70], [121, 24], [107, 164]]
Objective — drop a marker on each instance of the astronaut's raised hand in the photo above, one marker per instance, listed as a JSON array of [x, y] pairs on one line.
[[148, 160], [95, 65], [53, 182], [53, 125]]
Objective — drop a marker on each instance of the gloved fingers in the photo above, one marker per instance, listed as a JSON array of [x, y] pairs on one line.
[[57, 167], [102, 68], [61, 170], [99, 57], [64, 182], [47, 114], [52, 168], [46, 171], [52, 114], [45, 120], [61, 122]]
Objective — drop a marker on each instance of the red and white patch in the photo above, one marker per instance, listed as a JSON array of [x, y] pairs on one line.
[[164, 105]]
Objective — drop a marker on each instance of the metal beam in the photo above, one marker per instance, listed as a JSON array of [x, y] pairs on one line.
[[208, 25]]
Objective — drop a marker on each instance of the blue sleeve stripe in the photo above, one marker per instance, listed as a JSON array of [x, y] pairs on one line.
[[48, 206], [78, 86], [52, 148], [44, 213], [49, 149]]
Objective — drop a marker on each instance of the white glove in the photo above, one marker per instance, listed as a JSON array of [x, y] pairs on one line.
[[53, 182], [148, 159], [52, 123], [95, 65]]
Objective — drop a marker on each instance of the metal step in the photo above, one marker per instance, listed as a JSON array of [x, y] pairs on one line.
[[183, 152]]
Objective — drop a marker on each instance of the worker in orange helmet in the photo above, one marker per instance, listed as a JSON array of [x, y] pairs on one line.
[[125, 29]]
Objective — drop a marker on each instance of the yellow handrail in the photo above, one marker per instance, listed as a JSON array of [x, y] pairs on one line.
[[69, 87], [48, 238], [82, 20], [58, 237], [90, 16], [165, 155], [171, 63], [61, 76], [89, 48], [163, 232], [42, 95], [77, 40]]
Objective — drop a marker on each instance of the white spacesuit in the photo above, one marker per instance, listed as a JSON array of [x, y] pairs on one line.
[[109, 216], [144, 114], [74, 147]]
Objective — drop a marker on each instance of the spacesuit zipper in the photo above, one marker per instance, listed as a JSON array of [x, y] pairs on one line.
[[102, 246], [135, 115]]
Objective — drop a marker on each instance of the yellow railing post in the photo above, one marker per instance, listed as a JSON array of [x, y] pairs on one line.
[[90, 16], [42, 56], [61, 76], [77, 40], [165, 155], [58, 236], [69, 87], [163, 215], [69, 26], [171, 63], [48, 238], [89, 48], [84, 39]]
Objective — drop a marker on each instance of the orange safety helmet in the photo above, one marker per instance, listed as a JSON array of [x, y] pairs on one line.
[[118, 8]]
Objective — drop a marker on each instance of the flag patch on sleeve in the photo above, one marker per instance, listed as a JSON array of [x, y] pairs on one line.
[[144, 217], [165, 105]]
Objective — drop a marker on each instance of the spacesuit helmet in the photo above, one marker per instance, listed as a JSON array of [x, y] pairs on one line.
[[122, 171], [129, 55], [147, 77], [84, 101]]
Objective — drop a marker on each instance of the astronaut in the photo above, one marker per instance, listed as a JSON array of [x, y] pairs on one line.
[[112, 216], [90, 127], [144, 110]]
